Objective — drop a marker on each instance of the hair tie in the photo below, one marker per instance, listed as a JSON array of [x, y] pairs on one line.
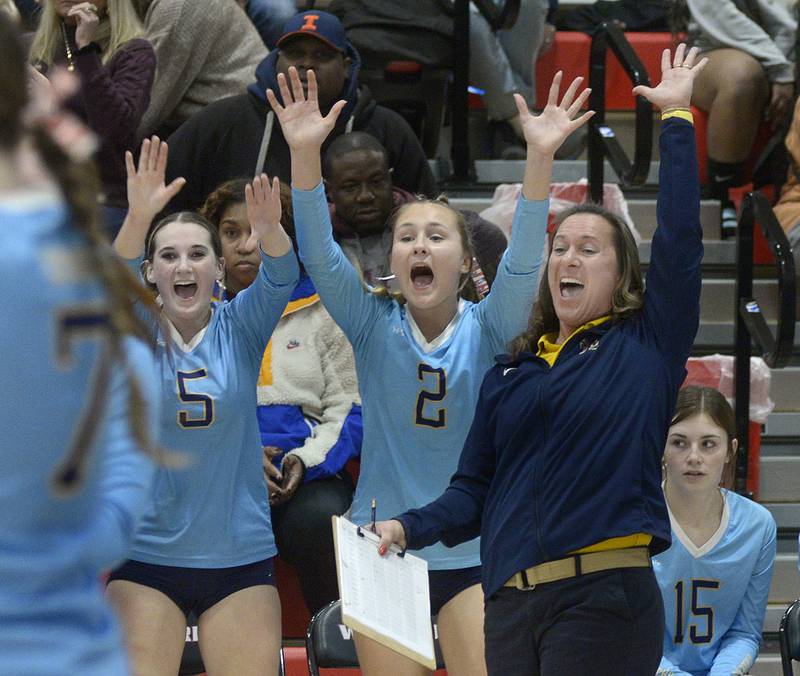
[[478, 279]]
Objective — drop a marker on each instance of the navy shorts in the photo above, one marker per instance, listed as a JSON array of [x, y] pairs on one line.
[[446, 584], [196, 589]]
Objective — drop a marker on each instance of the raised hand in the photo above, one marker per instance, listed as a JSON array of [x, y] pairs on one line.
[[302, 123], [545, 133], [263, 201], [677, 79], [147, 193]]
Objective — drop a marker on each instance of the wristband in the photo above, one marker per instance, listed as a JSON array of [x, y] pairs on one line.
[[681, 113]]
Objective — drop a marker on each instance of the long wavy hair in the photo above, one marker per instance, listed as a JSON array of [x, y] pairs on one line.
[[119, 25], [79, 184], [694, 400], [626, 298]]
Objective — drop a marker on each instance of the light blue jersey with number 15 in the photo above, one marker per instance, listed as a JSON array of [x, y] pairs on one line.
[[715, 596]]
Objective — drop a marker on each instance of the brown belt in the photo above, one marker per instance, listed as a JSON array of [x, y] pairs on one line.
[[580, 564]]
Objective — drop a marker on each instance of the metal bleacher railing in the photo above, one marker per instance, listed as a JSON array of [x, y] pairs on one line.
[[499, 16], [751, 326], [603, 142]]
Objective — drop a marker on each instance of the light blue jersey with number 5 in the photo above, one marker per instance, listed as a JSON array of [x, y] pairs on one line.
[[213, 512], [418, 398]]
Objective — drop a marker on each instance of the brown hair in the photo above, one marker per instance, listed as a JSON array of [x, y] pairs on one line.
[[225, 195], [694, 400], [466, 289], [626, 299], [79, 185], [180, 217]]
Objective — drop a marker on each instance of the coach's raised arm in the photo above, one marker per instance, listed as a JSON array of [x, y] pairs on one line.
[[561, 471]]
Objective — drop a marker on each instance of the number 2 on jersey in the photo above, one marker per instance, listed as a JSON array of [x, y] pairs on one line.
[[184, 419], [427, 397], [706, 612]]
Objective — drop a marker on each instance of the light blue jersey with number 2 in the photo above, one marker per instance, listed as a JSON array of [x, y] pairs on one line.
[[418, 399]]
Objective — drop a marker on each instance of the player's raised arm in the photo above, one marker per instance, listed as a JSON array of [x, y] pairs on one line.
[[147, 195], [303, 125]]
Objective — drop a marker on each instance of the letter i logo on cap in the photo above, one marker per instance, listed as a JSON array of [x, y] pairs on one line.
[[310, 22]]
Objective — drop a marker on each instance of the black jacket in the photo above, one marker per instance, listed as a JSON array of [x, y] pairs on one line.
[[222, 141]]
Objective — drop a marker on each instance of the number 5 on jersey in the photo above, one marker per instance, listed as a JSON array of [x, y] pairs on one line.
[[434, 389], [184, 417]]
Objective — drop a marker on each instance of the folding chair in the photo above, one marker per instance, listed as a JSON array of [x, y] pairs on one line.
[[789, 637], [330, 645]]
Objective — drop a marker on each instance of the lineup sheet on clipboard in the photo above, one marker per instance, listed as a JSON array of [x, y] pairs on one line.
[[384, 597]]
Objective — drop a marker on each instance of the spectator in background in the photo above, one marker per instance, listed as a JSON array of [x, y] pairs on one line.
[[269, 17], [750, 47], [361, 199], [102, 42], [230, 138], [309, 410], [8, 8], [504, 62], [205, 50], [787, 209], [501, 62]]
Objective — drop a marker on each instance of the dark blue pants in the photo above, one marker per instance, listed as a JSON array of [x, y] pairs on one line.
[[605, 624]]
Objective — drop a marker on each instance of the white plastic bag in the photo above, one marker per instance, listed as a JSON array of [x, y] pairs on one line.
[[717, 371], [562, 196]]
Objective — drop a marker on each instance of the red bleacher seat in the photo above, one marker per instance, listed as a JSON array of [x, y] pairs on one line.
[[570, 53]]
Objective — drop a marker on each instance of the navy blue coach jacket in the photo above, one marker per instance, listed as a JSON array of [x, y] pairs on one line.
[[561, 458]]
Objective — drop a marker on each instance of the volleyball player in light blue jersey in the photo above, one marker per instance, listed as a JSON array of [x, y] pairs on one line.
[[715, 577], [74, 479], [207, 545], [420, 362]]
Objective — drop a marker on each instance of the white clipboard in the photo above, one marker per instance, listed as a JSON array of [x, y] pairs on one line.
[[384, 597]]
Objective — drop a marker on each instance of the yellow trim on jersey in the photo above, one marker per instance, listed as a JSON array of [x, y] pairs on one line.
[[635, 540], [549, 349]]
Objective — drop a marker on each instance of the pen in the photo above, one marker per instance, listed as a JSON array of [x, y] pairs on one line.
[[374, 507]]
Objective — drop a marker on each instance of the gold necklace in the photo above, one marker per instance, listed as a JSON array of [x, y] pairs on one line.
[[70, 61]]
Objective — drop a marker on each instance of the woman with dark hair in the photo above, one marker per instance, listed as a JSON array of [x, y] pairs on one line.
[[80, 395], [103, 43], [715, 577], [206, 546], [309, 410], [560, 473]]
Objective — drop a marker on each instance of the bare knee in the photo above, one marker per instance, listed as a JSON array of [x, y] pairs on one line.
[[738, 79]]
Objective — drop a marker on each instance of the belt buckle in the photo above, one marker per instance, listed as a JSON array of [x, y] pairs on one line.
[[522, 581]]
